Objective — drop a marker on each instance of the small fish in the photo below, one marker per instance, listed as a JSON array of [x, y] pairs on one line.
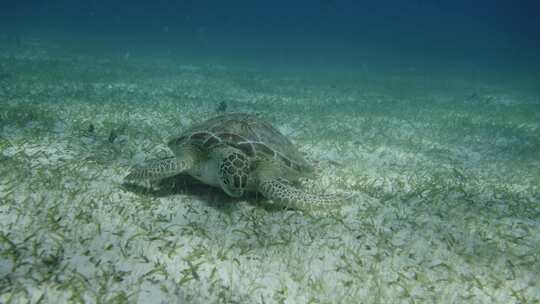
[[222, 107], [91, 129], [112, 136]]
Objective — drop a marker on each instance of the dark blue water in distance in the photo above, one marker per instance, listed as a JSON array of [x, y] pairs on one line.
[[483, 33]]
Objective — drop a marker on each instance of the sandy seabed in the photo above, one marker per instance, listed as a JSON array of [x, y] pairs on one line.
[[446, 182]]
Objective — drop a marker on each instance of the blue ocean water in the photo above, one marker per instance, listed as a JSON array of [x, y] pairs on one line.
[[480, 33]]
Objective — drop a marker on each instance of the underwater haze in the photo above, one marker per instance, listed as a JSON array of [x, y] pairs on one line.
[[296, 33], [421, 120]]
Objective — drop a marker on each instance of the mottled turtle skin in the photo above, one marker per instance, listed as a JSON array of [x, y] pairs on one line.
[[238, 152]]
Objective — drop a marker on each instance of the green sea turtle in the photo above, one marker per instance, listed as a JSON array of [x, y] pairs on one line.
[[237, 153]]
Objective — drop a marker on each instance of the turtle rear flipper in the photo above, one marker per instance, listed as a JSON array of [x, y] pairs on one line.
[[159, 168]]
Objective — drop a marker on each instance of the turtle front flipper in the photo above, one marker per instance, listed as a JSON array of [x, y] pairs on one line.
[[159, 168], [281, 191]]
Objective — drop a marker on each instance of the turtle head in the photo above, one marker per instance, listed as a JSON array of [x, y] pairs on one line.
[[233, 172]]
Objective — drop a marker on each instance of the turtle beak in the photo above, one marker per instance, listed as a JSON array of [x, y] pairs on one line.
[[238, 192], [231, 185]]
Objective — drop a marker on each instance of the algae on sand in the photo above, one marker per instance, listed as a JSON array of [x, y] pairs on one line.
[[447, 206]]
